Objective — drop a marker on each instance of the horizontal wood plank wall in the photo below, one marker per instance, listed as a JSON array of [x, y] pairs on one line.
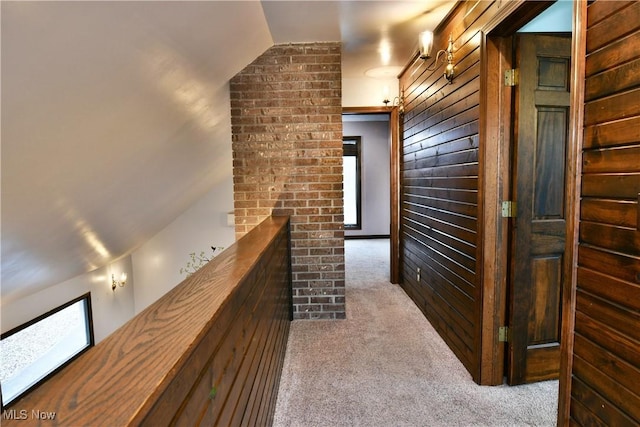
[[605, 388], [439, 179], [210, 352]]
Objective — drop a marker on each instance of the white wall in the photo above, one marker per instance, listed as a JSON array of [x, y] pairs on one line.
[[375, 175], [152, 270], [367, 91], [156, 264], [111, 309]]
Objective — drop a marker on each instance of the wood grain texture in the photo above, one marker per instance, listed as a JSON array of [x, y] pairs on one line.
[[439, 178], [606, 377], [224, 327], [494, 155]]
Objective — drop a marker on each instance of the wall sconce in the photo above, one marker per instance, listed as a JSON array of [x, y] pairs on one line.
[[115, 283], [426, 45], [398, 101]]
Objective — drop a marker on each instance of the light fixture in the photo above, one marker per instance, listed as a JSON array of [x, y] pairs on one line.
[[398, 101], [426, 45], [115, 283]]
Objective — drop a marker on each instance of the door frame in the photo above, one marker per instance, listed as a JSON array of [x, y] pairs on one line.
[[495, 186], [394, 155]]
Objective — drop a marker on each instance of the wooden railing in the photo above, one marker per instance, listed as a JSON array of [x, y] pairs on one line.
[[210, 352]]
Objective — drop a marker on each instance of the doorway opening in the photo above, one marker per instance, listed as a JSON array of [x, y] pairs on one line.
[[367, 175], [529, 70], [378, 129]]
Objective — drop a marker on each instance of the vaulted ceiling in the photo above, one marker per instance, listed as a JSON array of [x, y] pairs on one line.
[[115, 115]]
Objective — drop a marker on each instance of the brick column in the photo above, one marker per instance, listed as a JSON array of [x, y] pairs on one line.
[[286, 116]]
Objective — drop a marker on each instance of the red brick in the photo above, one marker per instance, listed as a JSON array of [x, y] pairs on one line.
[[287, 157]]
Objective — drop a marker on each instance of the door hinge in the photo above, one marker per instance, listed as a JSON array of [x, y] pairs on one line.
[[503, 334], [508, 209], [511, 77]]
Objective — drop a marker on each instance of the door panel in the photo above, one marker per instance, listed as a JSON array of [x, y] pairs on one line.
[[543, 320], [538, 241], [549, 164]]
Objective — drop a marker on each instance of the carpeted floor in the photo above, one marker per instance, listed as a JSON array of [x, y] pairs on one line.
[[386, 366]]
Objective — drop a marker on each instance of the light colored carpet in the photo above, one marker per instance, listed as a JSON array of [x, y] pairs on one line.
[[386, 366]]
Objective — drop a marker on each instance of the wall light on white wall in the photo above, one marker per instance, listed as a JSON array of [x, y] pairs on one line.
[[115, 283]]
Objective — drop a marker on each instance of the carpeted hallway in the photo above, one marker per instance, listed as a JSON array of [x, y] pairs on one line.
[[386, 366]]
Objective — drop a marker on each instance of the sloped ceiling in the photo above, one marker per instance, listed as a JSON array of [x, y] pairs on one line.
[[115, 115]]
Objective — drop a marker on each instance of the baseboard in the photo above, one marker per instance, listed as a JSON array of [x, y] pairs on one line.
[[369, 236]]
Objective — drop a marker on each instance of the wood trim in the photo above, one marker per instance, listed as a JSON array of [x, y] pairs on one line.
[[494, 188], [395, 195], [515, 14], [365, 110], [574, 172]]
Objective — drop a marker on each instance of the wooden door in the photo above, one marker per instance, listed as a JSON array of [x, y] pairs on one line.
[[540, 143]]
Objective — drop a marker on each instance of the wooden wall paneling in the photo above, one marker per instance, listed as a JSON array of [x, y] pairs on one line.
[[621, 266], [620, 398], [620, 51], [604, 185], [460, 338], [614, 79], [600, 11], [613, 22], [605, 373], [611, 108], [440, 185], [623, 131], [612, 160], [255, 337], [585, 402], [610, 237]]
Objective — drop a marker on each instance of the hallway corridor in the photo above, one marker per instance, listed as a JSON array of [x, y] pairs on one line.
[[386, 366]]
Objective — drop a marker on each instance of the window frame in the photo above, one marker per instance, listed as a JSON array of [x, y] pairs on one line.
[[356, 151], [90, 335]]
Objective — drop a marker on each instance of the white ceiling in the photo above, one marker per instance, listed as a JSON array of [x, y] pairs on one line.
[[115, 115]]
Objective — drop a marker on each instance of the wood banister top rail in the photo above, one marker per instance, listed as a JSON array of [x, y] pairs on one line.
[[117, 382]]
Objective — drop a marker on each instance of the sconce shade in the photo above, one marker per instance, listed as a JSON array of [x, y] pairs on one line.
[[442, 57], [426, 44], [115, 283]]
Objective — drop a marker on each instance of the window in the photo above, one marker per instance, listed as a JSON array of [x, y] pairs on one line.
[[33, 352], [351, 182]]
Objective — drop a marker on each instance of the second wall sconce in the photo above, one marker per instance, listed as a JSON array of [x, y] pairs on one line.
[[443, 56], [398, 101], [115, 283]]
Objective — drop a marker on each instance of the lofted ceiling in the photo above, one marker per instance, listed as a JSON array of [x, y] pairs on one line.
[[115, 115]]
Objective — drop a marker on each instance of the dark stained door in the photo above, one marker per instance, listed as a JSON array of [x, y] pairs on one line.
[[540, 135]]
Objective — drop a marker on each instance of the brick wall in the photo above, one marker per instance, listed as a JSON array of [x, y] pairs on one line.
[[286, 116]]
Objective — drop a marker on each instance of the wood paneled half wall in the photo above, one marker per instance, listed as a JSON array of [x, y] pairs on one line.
[[209, 352]]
